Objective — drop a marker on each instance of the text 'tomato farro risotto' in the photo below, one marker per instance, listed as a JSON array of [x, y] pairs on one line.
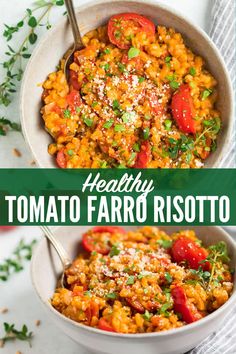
[[144, 281], [138, 97]]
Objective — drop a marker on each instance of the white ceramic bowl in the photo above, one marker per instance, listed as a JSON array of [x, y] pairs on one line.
[[46, 267], [95, 13]]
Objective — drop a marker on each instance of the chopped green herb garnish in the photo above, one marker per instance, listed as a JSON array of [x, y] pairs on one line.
[[147, 315], [114, 251], [132, 158], [119, 128], [141, 79], [67, 113], [130, 280], [70, 152], [78, 109], [168, 277], [146, 133], [136, 147], [108, 124], [168, 59], [168, 124], [165, 243], [112, 296], [133, 52], [192, 71], [87, 293], [121, 67], [174, 85], [94, 253], [107, 51], [88, 121], [164, 308], [94, 104]]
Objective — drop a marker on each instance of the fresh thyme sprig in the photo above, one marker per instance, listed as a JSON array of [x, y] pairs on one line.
[[15, 264], [217, 255], [13, 66], [11, 334], [6, 124]]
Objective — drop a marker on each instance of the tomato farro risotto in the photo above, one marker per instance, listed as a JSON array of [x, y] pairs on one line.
[[144, 281], [137, 97]]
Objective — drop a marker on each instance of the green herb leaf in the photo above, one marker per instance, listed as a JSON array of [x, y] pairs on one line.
[[133, 52], [112, 296], [67, 113], [168, 124], [192, 71], [165, 243], [206, 93], [108, 124], [32, 22], [114, 251], [147, 315], [130, 280], [146, 133], [168, 277], [119, 128]]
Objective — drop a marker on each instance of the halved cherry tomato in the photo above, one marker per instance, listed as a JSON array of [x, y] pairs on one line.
[[92, 241], [184, 249], [73, 100], [118, 24], [61, 159], [105, 326], [181, 305], [143, 156], [6, 228], [183, 109]]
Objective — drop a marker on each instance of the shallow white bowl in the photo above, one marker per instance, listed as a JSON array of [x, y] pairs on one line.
[[95, 13], [46, 267]]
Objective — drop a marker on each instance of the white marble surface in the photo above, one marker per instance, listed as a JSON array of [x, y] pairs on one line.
[[17, 294]]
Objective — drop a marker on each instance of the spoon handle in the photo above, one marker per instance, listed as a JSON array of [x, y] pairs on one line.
[[73, 21], [57, 246]]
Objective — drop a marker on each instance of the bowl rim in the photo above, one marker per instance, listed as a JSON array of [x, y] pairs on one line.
[[197, 28], [130, 336]]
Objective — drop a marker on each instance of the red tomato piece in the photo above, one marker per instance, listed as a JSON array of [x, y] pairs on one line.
[[61, 159], [105, 326], [92, 241], [111, 229], [135, 304], [119, 23], [73, 100], [74, 80], [7, 228], [143, 156], [184, 249], [187, 310], [183, 109]]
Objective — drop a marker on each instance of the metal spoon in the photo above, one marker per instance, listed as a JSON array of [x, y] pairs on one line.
[[65, 259], [78, 44]]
